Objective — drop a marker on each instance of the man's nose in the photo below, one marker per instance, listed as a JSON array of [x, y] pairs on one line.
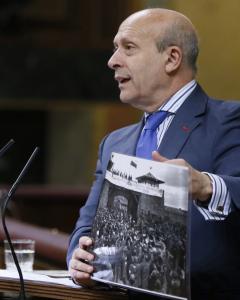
[[115, 60]]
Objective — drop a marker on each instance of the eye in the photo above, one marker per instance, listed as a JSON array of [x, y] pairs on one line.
[[129, 46]]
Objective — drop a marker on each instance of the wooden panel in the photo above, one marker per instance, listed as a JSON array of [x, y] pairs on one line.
[[51, 246], [55, 208], [217, 23], [52, 291], [65, 23]]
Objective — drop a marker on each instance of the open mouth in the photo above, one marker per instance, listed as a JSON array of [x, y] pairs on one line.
[[121, 80], [124, 80]]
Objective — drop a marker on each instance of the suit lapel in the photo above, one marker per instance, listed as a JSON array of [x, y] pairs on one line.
[[188, 117], [130, 144], [127, 140]]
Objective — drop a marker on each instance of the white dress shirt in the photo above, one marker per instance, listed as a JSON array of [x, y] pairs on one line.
[[219, 206]]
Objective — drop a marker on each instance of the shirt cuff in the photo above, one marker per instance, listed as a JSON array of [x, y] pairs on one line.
[[219, 205]]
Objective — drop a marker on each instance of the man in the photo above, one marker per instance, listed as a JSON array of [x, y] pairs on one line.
[[154, 61]]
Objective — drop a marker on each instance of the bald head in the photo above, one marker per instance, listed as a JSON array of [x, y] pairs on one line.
[[170, 28], [155, 56]]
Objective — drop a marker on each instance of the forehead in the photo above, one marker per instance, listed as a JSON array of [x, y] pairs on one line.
[[135, 30]]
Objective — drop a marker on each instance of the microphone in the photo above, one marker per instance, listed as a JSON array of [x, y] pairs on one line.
[[6, 147], [2, 152], [8, 196]]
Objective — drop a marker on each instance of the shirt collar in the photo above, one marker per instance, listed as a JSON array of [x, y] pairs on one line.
[[176, 100]]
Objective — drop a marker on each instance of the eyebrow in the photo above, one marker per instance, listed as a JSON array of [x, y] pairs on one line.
[[124, 40]]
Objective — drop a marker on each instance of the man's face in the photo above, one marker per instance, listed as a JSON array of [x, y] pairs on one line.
[[139, 66]]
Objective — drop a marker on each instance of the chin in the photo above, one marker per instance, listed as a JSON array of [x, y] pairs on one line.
[[132, 100], [127, 98], [124, 100], [135, 103]]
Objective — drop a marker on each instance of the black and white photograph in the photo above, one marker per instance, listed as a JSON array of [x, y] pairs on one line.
[[140, 229]]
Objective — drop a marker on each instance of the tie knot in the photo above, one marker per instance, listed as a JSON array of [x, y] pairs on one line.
[[155, 119]]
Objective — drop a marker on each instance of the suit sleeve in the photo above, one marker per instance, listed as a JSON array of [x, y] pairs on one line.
[[227, 162], [226, 177], [88, 211]]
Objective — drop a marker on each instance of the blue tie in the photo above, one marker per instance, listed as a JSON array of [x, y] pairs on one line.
[[147, 142]]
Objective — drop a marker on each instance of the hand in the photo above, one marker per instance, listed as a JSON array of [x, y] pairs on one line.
[[79, 268], [200, 185]]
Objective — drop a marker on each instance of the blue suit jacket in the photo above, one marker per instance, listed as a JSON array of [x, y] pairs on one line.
[[206, 133]]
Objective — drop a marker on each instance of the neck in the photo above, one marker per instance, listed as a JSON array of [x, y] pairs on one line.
[[166, 94]]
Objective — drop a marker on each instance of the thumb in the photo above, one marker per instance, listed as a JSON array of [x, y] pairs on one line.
[[156, 156]]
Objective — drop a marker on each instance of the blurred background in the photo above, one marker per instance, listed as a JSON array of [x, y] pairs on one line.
[[56, 92]]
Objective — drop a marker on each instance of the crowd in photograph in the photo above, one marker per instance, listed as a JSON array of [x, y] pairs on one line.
[[149, 251]]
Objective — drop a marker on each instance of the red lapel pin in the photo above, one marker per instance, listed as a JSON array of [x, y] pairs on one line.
[[185, 128]]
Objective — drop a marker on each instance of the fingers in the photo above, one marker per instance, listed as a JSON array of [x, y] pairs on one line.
[[82, 255], [85, 242], [79, 267], [200, 186], [156, 156], [177, 161]]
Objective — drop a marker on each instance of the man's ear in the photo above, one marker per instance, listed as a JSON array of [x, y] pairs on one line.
[[174, 59]]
